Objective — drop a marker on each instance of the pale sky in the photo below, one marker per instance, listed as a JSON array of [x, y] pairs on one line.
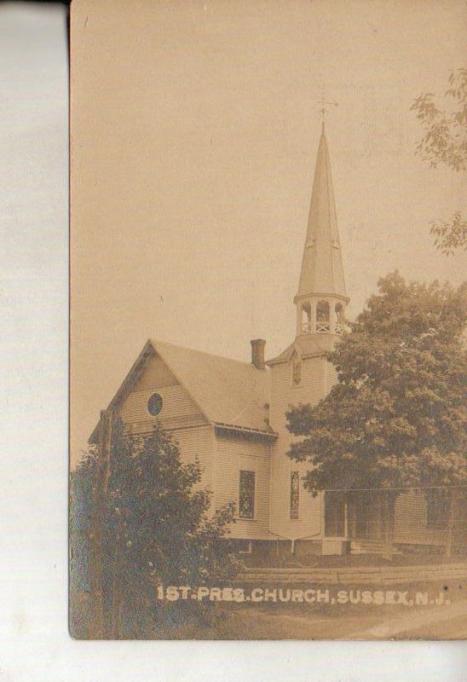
[[195, 127]]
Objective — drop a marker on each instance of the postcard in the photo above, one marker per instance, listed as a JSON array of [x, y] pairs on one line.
[[268, 308]]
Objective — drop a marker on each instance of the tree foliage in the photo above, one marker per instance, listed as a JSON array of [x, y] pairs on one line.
[[397, 415], [156, 527], [450, 235], [445, 142]]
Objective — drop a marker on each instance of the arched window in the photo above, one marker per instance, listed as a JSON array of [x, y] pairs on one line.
[[322, 317], [306, 318], [339, 318]]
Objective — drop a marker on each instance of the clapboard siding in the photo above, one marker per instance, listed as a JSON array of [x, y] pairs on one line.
[[231, 456], [178, 408], [156, 375], [196, 445], [314, 386], [410, 521]]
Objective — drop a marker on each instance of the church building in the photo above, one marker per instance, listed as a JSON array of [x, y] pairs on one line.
[[230, 415]]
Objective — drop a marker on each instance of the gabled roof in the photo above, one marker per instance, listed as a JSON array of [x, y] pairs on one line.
[[322, 270], [306, 346], [228, 392]]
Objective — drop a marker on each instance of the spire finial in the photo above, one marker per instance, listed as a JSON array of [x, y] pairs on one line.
[[325, 107]]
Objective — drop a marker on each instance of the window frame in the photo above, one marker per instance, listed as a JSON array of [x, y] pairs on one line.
[[296, 362], [294, 515], [154, 394], [239, 514]]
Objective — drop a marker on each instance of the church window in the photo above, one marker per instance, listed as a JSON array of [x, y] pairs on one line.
[[155, 404], [296, 370], [322, 317], [294, 494], [339, 318], [438, 507], [246, 498]]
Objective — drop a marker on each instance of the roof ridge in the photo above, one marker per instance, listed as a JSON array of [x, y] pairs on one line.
[[155, 342]]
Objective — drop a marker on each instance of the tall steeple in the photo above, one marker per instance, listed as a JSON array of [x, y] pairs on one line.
[[321, 296]]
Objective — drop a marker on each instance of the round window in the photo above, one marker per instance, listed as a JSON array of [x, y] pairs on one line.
[[155, 404]]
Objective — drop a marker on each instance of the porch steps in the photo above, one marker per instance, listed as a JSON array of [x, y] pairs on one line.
[[370, 547]]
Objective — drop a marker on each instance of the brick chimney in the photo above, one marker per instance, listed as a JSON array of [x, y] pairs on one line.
[[257, 353]]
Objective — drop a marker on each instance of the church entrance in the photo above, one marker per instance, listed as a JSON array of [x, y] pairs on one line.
[[363, 518], [367, 520], [357, 516], [335, 514]]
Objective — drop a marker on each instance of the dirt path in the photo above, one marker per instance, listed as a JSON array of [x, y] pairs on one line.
[[450, 622], [447, 622]]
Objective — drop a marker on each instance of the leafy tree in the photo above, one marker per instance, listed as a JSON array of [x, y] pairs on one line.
[[142, 521], [397, 416], [445, 142]]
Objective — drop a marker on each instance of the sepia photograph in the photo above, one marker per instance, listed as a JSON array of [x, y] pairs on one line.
[[268, 307]]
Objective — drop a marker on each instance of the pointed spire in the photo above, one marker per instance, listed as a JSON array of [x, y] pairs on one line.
[[322, 270]]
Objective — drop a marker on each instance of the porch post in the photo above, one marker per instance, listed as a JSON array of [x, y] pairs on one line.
[[346, 517], [452, 516], [388, 511]]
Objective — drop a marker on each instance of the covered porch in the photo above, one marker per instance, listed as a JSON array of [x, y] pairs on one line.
[[430, 521], [358, 522]]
